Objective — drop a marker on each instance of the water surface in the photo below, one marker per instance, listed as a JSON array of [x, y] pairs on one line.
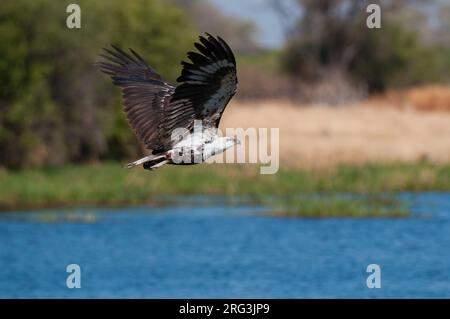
[[225, 251]]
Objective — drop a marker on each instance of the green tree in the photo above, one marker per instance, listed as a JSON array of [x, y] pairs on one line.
[[332, 35], [55, 106]]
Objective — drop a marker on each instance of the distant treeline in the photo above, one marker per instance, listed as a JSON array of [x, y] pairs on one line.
[[332, 56]]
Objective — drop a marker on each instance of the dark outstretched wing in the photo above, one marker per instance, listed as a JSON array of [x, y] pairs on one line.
[[146, 98], [209, 81], [155, 108]]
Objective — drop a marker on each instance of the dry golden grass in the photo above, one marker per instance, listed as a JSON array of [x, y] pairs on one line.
[[321, 136], [428, 98]]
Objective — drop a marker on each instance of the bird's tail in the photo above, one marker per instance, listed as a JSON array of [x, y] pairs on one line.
[[154, 159], [152, 165]]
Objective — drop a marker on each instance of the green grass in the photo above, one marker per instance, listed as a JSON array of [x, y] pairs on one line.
[[110, 184], [332, 205]]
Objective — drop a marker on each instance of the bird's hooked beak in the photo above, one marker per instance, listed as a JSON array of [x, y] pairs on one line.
[[236, 141]]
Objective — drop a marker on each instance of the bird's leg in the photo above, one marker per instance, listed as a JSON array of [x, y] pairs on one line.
[[145, 159], [155, 166]]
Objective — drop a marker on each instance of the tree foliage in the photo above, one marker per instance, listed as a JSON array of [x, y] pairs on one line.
[[55, 106], [332, 35]]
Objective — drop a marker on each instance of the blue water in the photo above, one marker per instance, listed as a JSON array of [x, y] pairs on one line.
[[225, 252]]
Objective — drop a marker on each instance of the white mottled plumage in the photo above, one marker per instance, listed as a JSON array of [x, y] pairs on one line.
[[199, 146]]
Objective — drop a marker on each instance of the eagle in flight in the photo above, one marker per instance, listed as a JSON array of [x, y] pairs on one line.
[[165, 117]]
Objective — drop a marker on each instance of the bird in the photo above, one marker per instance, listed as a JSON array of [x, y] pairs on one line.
[[177, 124]]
